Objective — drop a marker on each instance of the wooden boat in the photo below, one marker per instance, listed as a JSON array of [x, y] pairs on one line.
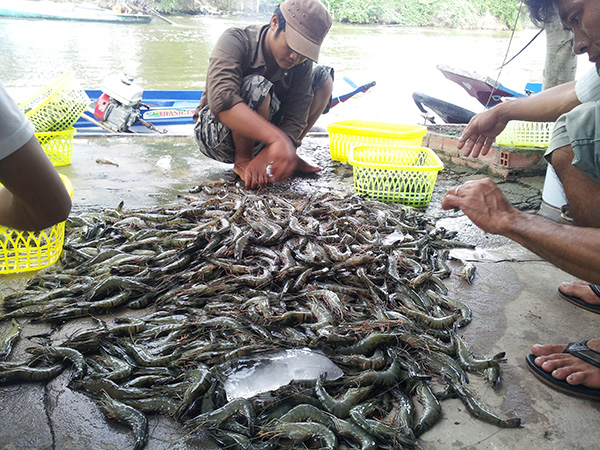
[[448, 112], [484, 89], [163, 111], [24, 9], [487, 91]]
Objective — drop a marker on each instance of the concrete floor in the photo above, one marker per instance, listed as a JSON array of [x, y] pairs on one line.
[[513, 297]]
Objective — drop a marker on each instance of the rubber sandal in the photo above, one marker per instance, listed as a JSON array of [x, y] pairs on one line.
[[581, 351], [582, 304]]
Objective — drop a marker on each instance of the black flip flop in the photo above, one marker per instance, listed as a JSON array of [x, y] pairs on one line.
[[578, 302], [580, 350]]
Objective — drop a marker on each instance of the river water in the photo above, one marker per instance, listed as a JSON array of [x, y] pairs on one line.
[[163, 56]]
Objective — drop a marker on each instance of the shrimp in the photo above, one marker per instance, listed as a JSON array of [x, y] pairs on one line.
[[213, 419], [432, 410], [301, 431], [377, 428], [64, 353], [477, 411], [393, 375], [304, 412], [137, 421], [468, 362], [25, 373], [7, 342], [340, 408], [352, 431]]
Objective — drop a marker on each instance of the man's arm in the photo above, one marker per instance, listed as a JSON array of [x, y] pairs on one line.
[[576, 250], [34, 197], [296, 101], [547, 106]]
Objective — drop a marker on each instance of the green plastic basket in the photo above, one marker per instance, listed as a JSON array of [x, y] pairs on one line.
[[24, 251], [349, 133], [58, 106], [58, 146], [399, 174], [526, 134]]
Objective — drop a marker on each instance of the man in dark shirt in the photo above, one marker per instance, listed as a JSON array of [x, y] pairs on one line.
[[263, 94]]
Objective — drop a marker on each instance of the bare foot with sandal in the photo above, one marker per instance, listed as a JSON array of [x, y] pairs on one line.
[[573, 369], [581, 293]]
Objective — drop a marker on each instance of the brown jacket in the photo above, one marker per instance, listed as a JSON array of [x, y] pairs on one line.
[[238, 53]]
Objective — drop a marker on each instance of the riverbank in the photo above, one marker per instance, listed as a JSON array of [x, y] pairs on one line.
[[459, 15]]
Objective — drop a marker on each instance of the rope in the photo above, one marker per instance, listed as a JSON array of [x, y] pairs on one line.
[[496, 84], [521, 51]]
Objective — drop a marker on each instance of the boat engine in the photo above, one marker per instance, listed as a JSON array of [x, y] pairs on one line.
[[118, 108]]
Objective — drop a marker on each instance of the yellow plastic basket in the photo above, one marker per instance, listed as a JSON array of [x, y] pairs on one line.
[[23, 251], [526, 134], [399, 174], [58, 106], [348, 133], [58, 145]]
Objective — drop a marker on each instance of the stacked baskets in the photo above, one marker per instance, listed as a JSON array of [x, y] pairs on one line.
[[388, 161], [53, 111], [348, 133], [23, 251]]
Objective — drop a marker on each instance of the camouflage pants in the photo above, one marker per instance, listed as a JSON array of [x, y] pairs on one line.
[[215, 140]]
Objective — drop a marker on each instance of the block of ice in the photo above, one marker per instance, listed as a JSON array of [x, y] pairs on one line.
[[266, 372]]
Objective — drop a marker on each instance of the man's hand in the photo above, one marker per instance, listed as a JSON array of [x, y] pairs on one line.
[[253, 173], [480, 133], [282, 157], [483, 202], [276, 162]]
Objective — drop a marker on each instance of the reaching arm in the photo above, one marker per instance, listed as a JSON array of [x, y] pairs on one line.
[[34, 197], [576, 250], [547, 106]]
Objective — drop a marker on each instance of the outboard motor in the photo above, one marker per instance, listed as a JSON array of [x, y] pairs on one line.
[[118, 108]]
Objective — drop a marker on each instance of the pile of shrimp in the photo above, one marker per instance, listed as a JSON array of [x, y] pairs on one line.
[[228, 274]]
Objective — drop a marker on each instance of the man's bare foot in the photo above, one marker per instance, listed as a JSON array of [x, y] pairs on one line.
[[239, 170], [567, 367], [304, 167], [580, 289]]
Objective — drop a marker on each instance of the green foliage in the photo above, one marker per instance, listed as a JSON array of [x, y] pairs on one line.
[[445, 13], [353, 11], [505, 10], [450, 13], [166, 6]]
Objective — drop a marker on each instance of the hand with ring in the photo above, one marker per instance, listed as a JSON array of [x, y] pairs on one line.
[[483, 202]]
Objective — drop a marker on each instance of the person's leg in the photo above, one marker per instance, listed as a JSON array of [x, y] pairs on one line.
[[322, 88], [583, 193], [567, 367], [575, 153], [244, 146], [321, 100], [215, 140]]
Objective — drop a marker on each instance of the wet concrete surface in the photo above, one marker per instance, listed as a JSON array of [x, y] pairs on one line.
[[513, 297]]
